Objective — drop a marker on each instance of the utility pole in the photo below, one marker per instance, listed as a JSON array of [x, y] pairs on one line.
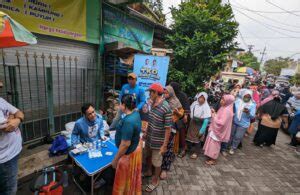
[[261, 59], [250, 47]]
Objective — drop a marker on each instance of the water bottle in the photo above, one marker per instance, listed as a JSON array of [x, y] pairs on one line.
[[99, 144], [65, 179]]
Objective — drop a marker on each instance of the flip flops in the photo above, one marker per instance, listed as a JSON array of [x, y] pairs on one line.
[[194, 156], [151, 187], [210, 162], [181, 154]]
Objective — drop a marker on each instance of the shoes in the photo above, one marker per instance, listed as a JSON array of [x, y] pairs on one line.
[[231, 151], [224, 153]]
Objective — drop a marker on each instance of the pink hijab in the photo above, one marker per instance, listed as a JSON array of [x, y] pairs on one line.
[[221, 123], [274, 93]]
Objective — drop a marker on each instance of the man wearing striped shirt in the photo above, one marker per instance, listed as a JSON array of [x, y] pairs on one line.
[[158, 133]]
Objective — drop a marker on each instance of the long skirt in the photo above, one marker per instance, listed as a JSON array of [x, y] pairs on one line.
[[128, 178], [212, 148], [265, 135], [169, 156], [176, 143], [193, 131]]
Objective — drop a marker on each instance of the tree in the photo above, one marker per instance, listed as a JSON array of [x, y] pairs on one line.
[[295, 79], [203, 37], [249, 60], [157, 7], [274, 66]]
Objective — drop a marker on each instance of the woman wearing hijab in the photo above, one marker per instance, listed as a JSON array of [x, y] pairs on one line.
[[293, 104], [200, 115], [219, 130], [178, 113], [245, 109], [271, 115], [264, 94], [182, 124]]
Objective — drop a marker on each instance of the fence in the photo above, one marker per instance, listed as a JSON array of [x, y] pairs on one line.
[[48, 88]]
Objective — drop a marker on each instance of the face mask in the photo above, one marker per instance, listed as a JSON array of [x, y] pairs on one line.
[[246, 99]]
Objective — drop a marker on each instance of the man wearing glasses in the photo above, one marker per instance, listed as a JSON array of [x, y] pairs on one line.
[[10, 146], [130, 88]]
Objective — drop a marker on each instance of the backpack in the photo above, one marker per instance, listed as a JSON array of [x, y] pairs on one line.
[[59, 146]]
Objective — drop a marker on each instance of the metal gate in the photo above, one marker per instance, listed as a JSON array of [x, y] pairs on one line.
[[49, 88]]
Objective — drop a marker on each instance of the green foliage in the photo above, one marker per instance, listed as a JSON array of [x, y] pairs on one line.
[[295, 80], [157, 7], [249, 60], [203, 37], [274, 66]]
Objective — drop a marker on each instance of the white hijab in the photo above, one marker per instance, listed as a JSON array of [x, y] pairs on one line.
[[241, 104], [200, 111]]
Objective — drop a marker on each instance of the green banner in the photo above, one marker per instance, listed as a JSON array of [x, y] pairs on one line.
[[133, 32]]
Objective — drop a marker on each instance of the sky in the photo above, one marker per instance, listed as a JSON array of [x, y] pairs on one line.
[[274, 24]]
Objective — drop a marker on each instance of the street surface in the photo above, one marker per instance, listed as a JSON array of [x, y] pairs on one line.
[[252, 170]]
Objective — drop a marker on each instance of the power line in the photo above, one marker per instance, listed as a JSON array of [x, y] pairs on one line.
[[287, 11], [243, 40], [272, 37], [270, 12], [263, 24], [270, 24], [271, 19]]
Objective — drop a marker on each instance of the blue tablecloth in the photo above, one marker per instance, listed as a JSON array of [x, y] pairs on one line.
[[94, 165]]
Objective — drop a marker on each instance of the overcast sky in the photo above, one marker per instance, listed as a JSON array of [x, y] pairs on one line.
[[274, 24]]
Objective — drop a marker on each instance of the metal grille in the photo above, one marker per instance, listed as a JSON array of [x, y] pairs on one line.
[[49, 87]]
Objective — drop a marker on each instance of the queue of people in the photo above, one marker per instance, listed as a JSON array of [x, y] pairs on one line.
[[151, 133], [175, 128]]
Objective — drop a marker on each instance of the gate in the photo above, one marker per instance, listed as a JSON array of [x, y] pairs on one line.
[[48, 88]]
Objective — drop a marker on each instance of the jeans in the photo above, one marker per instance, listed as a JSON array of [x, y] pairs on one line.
[[9, 176], [237, 135], [224, 146]]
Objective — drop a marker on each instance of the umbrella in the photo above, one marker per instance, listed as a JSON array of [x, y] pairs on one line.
[[13, 34], [247, 70]]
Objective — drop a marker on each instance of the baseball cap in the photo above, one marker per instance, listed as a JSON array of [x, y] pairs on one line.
[[156, 87], [132, 75]]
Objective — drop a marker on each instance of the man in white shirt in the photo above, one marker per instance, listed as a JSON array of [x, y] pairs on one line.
[[10, 146]]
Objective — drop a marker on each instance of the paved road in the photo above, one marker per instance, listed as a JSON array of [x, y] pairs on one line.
[[252, 170]]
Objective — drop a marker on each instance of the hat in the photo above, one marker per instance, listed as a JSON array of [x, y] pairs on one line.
[[132, 75], [156, 87]]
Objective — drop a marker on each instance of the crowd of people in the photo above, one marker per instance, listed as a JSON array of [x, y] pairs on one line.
[[151, 133], [172, 127]]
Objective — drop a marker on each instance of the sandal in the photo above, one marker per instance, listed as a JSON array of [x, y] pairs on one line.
[[194, 156], [151, 187], [210, 162], [181, 154]]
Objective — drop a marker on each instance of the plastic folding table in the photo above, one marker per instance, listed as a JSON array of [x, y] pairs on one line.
[[94, 166]]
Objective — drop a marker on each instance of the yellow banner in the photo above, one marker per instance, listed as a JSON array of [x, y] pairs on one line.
[[61, 18]]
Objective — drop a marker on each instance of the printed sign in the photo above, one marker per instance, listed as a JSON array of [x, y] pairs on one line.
[[151, 69], [66, 19]]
